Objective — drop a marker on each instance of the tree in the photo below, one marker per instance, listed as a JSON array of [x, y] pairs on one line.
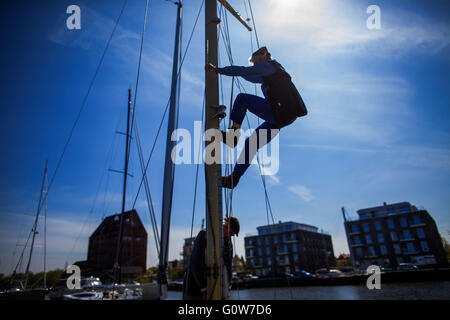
[[446, 246]]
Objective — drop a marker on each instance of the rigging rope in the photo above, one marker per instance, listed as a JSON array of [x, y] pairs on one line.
[[83, 104], [167, 105], [120, 244]]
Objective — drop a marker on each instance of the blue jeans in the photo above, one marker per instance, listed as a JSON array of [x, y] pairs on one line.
[[262, 109]]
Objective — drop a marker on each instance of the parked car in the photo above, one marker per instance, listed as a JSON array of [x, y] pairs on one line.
[[249, 277], [329, 274], [407, 266], [303, 274]]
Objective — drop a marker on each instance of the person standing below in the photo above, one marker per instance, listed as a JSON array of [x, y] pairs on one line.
[[281, 106], [194, 284]]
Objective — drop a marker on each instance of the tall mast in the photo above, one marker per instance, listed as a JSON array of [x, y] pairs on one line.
[[127, 149], [213, 172], [45, 234], [118, 264], [169, 167], [35, 225]]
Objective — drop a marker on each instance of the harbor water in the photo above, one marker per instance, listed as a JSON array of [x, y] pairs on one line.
[[429, 290]]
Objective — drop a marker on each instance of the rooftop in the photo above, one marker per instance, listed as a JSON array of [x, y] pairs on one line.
[[385, 210], [284, 227]]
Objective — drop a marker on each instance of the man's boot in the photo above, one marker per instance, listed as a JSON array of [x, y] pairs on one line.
[[231, 181]]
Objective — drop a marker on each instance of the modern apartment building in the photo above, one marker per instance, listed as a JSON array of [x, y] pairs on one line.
[[391, 234], [288, 247]]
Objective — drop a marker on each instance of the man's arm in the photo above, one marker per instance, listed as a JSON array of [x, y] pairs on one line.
[[260, 69], [253, 74]]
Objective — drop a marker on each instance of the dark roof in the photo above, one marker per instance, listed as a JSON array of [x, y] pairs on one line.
[[111, 224]]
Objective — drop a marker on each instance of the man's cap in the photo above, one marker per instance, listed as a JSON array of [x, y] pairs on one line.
[[261, 52], [234, 224]]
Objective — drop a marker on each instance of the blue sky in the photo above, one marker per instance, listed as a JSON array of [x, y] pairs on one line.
[[378, 127]]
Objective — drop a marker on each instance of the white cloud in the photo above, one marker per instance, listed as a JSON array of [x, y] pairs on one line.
[[335, 27], [301, 191]]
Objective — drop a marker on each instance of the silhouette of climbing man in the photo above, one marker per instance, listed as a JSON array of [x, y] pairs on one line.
[[194, 284], [281, 106]]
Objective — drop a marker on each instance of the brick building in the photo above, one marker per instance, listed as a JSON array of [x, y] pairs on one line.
[[103, 244]]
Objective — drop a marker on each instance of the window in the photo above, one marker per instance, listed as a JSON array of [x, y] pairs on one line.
[[424, 246], [259, 241], [251, 252], [269, 261], [380, 238], [394, 236], [358, 252], [390, 224], [403, 222], [383, 250], [283, 237], [371, 252], [354, 228], [364, 215], [267, 251], [366, 227], [267, 241], [377, 225], [295, 258], [404, 209], [407, 235], [368, 239], [259, 251], [397, 249], [275, 240], [410, 247], [420, 233], [416, 220], [356, 240], [294, 247]]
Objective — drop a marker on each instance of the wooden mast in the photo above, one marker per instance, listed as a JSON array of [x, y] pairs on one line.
[[213, 172]]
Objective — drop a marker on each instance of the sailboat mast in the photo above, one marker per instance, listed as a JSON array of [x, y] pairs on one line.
[[35, 225], [169, 167], [45, 234], [125, 175], [213, 172]]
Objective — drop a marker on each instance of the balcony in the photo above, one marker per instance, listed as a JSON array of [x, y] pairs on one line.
[[358, 245], [407, 239], [416, 225], [282, 253], [411, 252]]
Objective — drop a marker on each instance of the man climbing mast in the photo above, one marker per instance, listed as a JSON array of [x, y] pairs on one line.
[[281, 106]]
